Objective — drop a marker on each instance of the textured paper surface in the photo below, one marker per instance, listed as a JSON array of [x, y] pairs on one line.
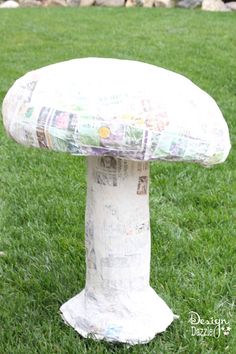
[[128, 109], [117, 303]]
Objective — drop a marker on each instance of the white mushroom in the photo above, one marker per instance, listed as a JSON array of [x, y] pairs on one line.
[[121, 114]]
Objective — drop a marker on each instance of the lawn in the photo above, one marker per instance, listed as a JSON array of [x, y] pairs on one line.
[[42, 194]]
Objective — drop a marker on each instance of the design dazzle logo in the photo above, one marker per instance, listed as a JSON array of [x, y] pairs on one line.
[[213, 327]]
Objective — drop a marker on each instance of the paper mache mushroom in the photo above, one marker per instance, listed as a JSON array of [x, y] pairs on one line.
[[121, 114]]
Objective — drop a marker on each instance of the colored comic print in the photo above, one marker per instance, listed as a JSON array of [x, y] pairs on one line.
[[180, 148], [79, 134], [64, 120], [82, 134], [122, 136], [95, 132], [41, 124], [56, 130]]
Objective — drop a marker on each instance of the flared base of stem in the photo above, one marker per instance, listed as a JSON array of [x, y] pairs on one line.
[[134, 318]]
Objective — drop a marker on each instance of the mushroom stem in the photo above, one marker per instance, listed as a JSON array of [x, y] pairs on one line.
[[117, 303]]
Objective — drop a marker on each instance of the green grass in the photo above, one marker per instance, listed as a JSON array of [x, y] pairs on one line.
[[42, 194]]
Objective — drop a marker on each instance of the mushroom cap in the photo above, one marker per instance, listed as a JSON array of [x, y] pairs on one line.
[[123, 108]]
